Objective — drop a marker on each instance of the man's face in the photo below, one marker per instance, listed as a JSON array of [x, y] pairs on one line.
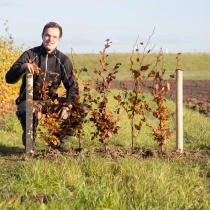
[[51, 38]]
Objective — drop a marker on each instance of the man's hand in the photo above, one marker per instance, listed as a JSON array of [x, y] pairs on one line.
[[31, 68], [64, 112]]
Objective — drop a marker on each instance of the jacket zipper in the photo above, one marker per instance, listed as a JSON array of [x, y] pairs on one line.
[[45, 73], [45, 67]]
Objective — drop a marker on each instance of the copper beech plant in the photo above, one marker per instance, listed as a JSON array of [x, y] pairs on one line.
[[162, 132], [133, 101], [101, 116]]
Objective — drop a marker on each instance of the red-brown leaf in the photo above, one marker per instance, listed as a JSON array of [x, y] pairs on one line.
[[151, 74], [144, 68]]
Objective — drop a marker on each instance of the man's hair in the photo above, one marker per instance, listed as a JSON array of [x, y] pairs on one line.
[[52, 25]]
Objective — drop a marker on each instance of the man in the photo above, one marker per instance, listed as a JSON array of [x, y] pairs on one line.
[[53, 67]]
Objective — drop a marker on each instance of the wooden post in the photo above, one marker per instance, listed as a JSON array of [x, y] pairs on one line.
[[179, 110], [29, 112]]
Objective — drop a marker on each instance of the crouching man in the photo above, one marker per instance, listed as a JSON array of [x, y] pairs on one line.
[[48, 66]]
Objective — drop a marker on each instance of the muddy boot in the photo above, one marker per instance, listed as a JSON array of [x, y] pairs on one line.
[[63, 148]]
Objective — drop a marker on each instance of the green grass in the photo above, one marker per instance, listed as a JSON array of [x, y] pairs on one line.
[[99, 183], [195, 66], [93, 182]]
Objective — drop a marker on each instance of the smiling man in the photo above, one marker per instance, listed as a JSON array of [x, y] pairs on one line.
[[53, 67]]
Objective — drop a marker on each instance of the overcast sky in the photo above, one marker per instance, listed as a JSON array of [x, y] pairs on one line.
[[180, 25]]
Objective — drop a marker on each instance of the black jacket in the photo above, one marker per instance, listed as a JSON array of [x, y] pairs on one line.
[[55, 67]]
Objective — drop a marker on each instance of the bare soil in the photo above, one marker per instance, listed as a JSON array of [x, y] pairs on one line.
[[138, 153]]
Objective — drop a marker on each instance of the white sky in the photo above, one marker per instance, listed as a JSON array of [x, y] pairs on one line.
[[180, 25]]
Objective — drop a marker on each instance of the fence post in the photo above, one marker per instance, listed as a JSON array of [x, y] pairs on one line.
[[179, 110], [29, 112]]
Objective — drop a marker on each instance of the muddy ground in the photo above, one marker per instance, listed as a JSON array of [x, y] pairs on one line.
[[138, 153]]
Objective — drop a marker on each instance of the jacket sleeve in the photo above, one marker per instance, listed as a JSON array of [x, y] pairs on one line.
[[69, 80], [14, 74]]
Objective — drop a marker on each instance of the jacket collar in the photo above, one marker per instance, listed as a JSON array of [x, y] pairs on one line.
[[44, 51]]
